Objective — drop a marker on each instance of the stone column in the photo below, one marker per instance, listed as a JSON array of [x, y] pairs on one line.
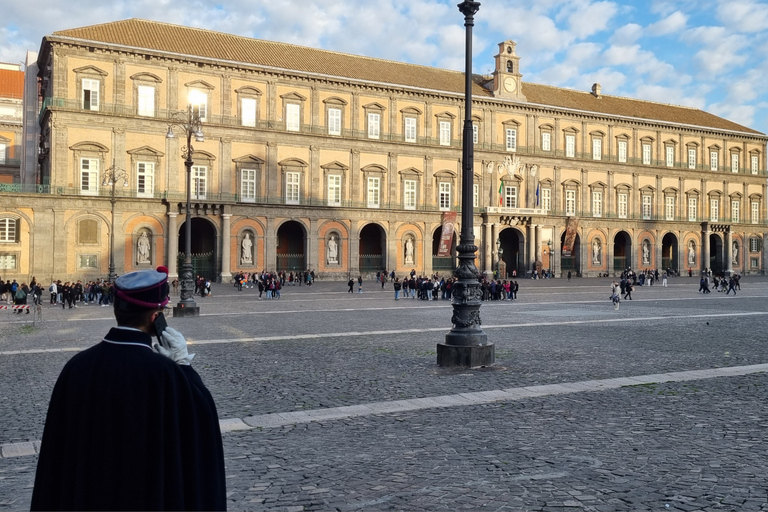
[[226, 96], [273, 192], [634, 200], [557, 253], [529, 250], [356, 178], [609, 210], [172, 254], [537, 248], [608, 252], [728, 251], [270, 244], [173, 88], [704, 246], [315, 177], [226, 247], [354, 250], [313, 246], [657, 252]]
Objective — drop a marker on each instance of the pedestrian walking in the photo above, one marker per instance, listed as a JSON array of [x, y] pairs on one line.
[[628, 290], [397, 286], [359, 284], [351, 284], [615, 298], [569, 276], [664, 279]]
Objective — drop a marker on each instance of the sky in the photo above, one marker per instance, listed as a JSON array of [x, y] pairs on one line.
[[707, 54]]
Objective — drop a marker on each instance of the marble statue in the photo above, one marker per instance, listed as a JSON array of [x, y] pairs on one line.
[[247, 250], [596, 259], [408, 251], [646, 252], [333, 250], [143, 247], [691, 254]]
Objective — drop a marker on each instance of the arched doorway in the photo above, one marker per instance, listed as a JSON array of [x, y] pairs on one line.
[[291, 247], [715, 253], [513, 255], [622, 249], [203, 248], [372, 244], [446, 263], [669, 256], [572, 262]]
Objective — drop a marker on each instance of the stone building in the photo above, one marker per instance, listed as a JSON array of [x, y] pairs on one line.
[[347, 165], [11, 95]]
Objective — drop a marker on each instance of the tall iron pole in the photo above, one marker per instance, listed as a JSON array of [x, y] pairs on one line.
[[112, 274], [466, 344]]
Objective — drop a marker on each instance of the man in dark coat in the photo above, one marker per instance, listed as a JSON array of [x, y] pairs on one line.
[[130, 427]]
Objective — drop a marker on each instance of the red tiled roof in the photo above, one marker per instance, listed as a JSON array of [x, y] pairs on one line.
[[11, 84]]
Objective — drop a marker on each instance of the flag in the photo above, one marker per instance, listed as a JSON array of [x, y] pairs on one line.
[[538, 188], [501, 194]]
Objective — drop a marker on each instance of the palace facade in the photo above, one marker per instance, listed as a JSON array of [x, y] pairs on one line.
[[348, 165]]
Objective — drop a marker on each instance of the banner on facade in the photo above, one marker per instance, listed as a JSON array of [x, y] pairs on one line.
[[449, 219], [571, 227]]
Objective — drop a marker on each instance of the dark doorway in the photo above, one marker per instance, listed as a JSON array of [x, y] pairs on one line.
[[622, 250], [513, 255], [715, 253], [445, 263], [572, 262], [203, 248], [291, 247], [669, 256], [372, 243]]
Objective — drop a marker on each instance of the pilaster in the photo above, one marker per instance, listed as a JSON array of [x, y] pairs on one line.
[[226, 248], [172, 253]]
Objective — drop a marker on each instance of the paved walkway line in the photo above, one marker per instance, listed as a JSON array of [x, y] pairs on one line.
[[281, 419]]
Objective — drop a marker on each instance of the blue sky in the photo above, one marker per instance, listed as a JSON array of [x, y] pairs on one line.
[[708, 54]]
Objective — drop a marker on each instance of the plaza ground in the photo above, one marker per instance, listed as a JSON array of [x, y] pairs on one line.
[[333, 401]]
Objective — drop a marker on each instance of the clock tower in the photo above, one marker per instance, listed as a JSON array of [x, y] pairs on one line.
[[507, 79]]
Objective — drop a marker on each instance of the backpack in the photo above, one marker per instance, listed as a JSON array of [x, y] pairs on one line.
[[50, 288], [21, 294]]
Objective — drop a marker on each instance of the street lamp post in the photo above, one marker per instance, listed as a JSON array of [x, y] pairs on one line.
[[191, 124], [110, 178], [466, 344]]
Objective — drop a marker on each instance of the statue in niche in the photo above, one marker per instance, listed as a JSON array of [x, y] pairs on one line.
[[333, 250], [246, 258], [735, 253], [143, 248], [691, 254], [409, 251], [596, 256], [646, 252]]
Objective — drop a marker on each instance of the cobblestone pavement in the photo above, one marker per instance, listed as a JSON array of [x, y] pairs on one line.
[[693, 445]]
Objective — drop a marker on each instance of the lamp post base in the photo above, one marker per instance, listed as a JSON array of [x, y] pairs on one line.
[[472, 356], [183, 310]]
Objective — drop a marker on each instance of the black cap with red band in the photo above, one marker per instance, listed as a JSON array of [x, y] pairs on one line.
[[144, 288]]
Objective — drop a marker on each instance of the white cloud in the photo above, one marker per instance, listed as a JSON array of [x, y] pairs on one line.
[[626, 35], [743, 15], [583, 54], [739, 113], [610, 80], [590, 18], [670, 95], [675, 22]]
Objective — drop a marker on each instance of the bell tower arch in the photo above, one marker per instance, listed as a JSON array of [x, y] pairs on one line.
[[507, 79]]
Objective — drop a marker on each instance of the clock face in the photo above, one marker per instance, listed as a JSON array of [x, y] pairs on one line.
[[510, 85]]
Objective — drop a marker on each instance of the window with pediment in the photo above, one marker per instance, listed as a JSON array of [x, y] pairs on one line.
[[248, 106], [146, 93], [335, 109], [293, 110], [249, 169]]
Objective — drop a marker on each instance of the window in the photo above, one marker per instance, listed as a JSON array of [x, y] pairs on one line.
[[248, 185], [570, 146], [570, 202], [3, 151], [198, 99], [89, 176], [691, 158], [374, 125], [445, 133], [374, 192], [546, 199], [754, 244], [410, 129], [7, 230], [146, 94], [646, 154], [292, 188], [714, 210], [669, 208], [713, 163], [692, 206], [475, 195], [546, 142], [623, 151], [755, 212], [199, 180], [735, 211], [597, 149], [755, 161], [510, 197], [670, 153], [90, 94], [445, 196], [475, 134], [248, 112], [334, 190], [597, 204], [734, 162], [145, 179], [647, 207], [511, 139], [334, 121], [409, 194], [292, 117], [755, 262], [622, 211]]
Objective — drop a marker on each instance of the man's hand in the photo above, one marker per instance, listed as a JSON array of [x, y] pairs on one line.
[[174, 347]]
